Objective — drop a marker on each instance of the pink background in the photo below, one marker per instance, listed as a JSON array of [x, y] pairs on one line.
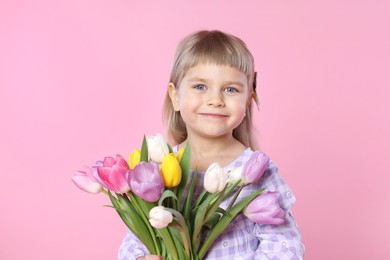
[[83, 79]]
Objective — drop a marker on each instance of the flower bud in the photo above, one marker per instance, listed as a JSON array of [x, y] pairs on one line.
[[134, 158], [235, 174], [265, 209], [112, 174], [85, 181], [171, 171], [215, 178], [159, 217], [254, 167], [146, 182], [157, 148], [180, 154]]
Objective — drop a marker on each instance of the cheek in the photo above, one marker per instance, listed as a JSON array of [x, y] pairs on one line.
[[239, 105], [187, 100]]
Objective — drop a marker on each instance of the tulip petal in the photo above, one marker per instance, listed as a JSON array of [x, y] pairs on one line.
[[254, 167], [157, 148], [215, 178], [87, 184], [146, 182], [109, 161], [85, 181], [265, 209], [118, 180], [104, 175], [120, 161], [171, 171], [159, 217]]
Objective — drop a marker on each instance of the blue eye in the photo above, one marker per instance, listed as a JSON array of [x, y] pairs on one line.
[[231, 89], [200, 87]]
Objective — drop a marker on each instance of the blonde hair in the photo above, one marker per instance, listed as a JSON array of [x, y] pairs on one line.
[[218, 48]]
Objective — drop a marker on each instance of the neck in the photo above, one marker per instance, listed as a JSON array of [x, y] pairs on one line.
[[205, 146], [205, 151]]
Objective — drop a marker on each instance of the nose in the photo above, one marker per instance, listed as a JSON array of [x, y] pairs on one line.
[[215, 98]]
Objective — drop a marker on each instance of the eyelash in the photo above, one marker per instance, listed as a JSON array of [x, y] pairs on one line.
[[227, 89], [198, 87], [232, 89]]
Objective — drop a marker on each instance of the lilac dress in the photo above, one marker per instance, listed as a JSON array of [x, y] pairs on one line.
[[244, 239]]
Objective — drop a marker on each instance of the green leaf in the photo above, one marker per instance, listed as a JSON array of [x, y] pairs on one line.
[[166, 194], [185, 165], [212, 220], [202, 197], [187, 204], [230, 188], [170, 148], [168, 242], [177, 238], [144, 150], [184, 231], [214, 204], [225, 220], [138, 224], [144, 206], [198, 221]]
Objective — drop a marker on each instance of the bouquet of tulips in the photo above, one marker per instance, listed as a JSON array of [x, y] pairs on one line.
[[153, 194]]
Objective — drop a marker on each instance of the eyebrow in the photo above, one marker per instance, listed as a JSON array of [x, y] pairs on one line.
[[225, 83]]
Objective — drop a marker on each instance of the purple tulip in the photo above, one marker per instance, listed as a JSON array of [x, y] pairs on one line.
[[145, 181], [265, 209], [255, 167], [112, 174], [85, 181]]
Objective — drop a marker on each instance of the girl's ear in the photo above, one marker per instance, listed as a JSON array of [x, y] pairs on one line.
[[172, 91], [255, 98]]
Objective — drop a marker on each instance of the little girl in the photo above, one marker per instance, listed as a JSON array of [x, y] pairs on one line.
[[209, 106]]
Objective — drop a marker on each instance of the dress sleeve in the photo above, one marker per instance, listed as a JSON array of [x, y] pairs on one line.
[[131, 248], [279, 242]]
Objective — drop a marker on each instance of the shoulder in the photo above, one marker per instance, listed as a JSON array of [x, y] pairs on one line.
[[272, 180]]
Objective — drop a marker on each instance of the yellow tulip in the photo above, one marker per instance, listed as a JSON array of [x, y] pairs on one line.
[[180, 154], [134, 158], [171, 171]]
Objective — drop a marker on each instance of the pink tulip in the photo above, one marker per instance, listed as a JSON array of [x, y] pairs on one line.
[[254, 167], [145, 181], [265, 209], [112, 174], [85, 181]]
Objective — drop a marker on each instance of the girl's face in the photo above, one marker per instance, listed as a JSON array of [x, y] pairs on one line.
[[212, 99]]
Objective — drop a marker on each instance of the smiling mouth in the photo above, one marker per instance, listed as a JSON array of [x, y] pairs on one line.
[[212, 115]]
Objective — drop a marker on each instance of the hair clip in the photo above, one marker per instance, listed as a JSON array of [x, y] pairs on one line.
[[255, 81], [254, 91]]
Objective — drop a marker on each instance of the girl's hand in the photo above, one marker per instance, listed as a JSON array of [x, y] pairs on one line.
[[150, 257]]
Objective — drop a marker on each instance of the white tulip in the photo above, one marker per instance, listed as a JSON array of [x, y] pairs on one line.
[[159, 217], [157, 148], [215, 178], [235, 174]]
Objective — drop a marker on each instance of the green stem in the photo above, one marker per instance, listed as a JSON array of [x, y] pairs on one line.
[[235, 198], [146, 220], [225, 220]]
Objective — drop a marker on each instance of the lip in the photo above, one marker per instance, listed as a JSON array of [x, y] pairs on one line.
[[213, 115]]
